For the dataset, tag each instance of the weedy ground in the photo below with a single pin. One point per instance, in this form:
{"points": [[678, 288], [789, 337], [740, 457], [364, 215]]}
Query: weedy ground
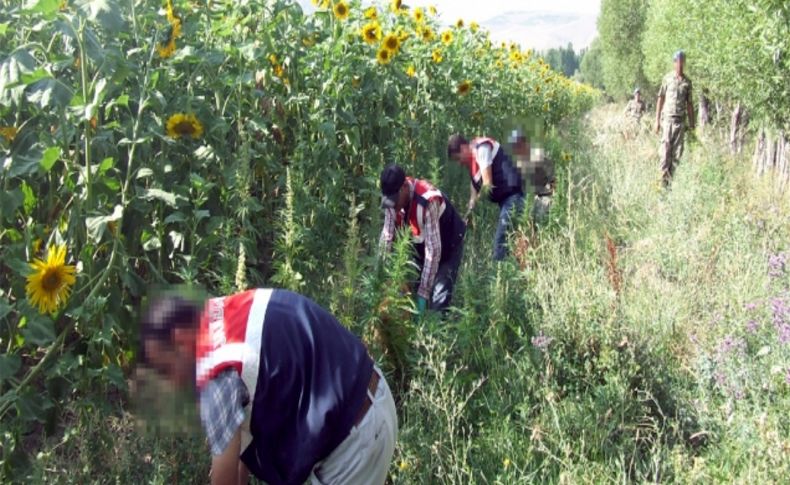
{"points": [[640, 335]]}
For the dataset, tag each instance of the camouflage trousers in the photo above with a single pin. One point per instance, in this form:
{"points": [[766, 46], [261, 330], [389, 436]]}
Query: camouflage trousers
{"points": [[671, 150]]}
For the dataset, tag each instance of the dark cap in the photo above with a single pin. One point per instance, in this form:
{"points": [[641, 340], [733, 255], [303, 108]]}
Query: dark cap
{"points": [[679, 55], [392, 178]]}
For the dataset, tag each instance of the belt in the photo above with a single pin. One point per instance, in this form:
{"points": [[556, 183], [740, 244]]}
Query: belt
{"points": [[372, 386]]}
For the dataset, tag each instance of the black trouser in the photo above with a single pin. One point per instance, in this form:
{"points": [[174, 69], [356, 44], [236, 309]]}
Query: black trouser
{"points": [[446, 276]]}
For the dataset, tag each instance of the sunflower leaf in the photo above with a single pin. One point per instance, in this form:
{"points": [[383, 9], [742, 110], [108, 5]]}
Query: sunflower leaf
{"points": [[96, 225], [104, 12], [9, 366], [168, 198], [40, 330]]}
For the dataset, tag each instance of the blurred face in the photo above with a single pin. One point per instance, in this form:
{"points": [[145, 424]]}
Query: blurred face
{"points": [[520, 149], [637, 96], [175, 360], [403, 196], [464, 155], [679, 64]]}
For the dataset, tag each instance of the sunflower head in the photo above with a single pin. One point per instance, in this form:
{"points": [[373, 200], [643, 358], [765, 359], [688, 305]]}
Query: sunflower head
{"points": [[9, 133], [391, 42], [437, 56], [432, 10], [410, 71], [447, 37], [459, 23], [499, 64], [384, 56], [474, 26], [184, 124], [464, 87], [341, 10], [371, 32], [371, 13], [403, 36], [427, 34], [396, 5], [166, 50], [419, 15], [49, 284]]}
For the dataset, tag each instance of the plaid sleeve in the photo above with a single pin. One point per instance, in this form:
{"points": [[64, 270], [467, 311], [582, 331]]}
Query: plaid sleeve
{"points": [[222, 403], [433, 251], [388, 230]]}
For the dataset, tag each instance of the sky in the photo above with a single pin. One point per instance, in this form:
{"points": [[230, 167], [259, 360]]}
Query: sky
{"points": [[539, 24]]}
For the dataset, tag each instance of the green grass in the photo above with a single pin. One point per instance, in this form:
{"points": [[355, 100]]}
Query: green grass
{"points": [[634, 386]]}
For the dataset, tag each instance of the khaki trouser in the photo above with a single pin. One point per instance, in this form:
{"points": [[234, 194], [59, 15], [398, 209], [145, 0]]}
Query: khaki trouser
{"points": [[364, 457], [671, 146]]}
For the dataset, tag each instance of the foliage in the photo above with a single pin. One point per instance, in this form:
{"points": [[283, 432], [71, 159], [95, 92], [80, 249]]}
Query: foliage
{"points": [[591, 68], [219, 144], [745, 61], [564, 59], [621, 24]]}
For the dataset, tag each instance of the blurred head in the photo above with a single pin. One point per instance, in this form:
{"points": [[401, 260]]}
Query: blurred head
{"points": [[168, 332], [458, 149], [395, 190], [680, 60], [519, 145], [637, 94]]}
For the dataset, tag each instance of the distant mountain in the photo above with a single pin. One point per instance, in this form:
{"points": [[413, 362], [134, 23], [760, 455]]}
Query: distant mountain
{"points": [[541, 30]]}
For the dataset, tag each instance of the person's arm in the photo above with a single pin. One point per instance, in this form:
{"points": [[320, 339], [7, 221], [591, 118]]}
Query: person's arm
{"points": [[225, 467], [660, 104], [388, 230], [433, 251], [473, 196]]}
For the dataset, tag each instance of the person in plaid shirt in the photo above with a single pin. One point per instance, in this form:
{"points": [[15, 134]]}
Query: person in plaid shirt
{"points": [[437, 233], [285, 391]]}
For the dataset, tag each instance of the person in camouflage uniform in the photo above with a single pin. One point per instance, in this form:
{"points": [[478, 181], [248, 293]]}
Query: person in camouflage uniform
{"points": [[674, 104], [539, 173], [633, 113]]}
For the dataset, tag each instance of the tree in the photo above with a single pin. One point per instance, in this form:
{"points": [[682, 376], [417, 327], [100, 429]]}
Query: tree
{"points": [[591, 68], [620, 27]]}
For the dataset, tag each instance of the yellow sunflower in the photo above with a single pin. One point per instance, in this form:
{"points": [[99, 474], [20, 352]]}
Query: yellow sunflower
{"points": [[447, 37], [464, 87], [419, 15], [395, 5], [499, 64], [371, 32], [184, 124], [392, 43], [341, 10], [49, 285], [427, 34], [473, 26], [166, 50], [516, 57], [403, 36], [432, 10], [437, 56], [384, 56], [9, 133], [459, 23], [371, 13], [410, 71]]}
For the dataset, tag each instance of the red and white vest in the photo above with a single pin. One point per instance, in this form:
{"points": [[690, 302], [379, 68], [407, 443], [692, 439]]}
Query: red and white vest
{"points": [[424, 193], [474, 167], [229, 336]]}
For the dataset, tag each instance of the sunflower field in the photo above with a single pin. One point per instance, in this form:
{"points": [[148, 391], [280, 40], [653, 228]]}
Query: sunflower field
{"points": [[221, 144]]}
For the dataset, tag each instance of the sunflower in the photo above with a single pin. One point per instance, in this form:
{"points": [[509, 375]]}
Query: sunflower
{"points": [[432, 10], [341, 10], [427, 34], [403, 36], [419, 15], [395, 5], [371, 32], [167, 50], [437, 56], [371, 13], [473, 26], [464, 87], [184, 124], [392, 43], [9, 133], [459, 23], [49, 285], [447, 37], [516, 57], [410, 71], [384, 56], [499, 64]]}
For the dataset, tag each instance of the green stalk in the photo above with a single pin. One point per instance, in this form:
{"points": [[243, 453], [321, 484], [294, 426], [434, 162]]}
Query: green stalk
{"points": [[85, 92]]}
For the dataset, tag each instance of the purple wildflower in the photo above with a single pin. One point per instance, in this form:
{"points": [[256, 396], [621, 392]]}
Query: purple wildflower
{"points": [[777, 264], [721, 379], [730, 344], [783, 331], [541, 341], [752, 326], [750, 306]]}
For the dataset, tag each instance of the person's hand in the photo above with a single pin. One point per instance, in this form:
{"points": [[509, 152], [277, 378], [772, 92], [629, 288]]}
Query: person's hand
{"points": [[657, 129]]}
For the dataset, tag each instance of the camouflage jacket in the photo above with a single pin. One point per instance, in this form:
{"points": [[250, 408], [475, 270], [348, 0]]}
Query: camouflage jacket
{"points": [[677, 95], [634, 109]]}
